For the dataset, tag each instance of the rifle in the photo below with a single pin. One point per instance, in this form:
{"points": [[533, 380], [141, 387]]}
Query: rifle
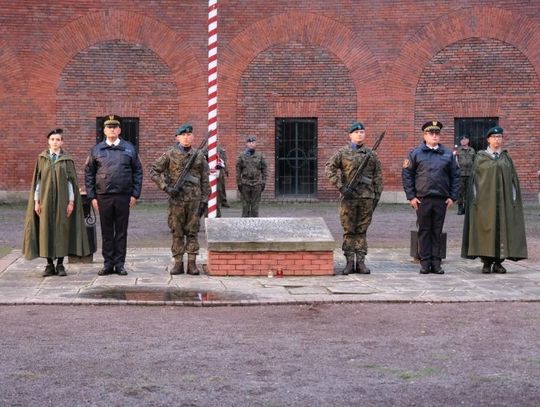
{"points": [[350, 186], [184, 175]]}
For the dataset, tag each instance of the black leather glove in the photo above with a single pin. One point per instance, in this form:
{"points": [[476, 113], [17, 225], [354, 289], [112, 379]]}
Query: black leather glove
{"points": [[262, 186], [203, 206], [346, 191]]}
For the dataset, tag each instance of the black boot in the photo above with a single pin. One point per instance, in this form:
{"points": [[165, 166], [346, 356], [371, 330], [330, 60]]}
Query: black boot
{"points": [[192, 265], [498, 268], [461, 209], [486, 268], [178, 267], [361, 266], [349, 267], [49, 270]]}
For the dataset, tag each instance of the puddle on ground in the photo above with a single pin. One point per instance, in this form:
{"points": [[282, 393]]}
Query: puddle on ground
{"points": [[160, 294]]}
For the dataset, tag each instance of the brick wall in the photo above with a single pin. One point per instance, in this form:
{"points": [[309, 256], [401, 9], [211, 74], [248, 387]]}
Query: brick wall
{"points": [[245, 263], [390, 64], [124, 78]]}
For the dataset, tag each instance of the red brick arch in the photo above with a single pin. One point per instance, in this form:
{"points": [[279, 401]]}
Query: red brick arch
{"points": [[305, 28], [481, 22], [10, 69], [109, 25]]}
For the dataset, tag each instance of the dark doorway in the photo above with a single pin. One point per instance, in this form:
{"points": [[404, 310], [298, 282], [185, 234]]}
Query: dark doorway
{"points": [[476, 128], [296, 157], [130, 130]]}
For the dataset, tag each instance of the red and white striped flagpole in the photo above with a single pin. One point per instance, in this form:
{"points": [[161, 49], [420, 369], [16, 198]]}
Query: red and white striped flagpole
{"points": [[212, 105]]}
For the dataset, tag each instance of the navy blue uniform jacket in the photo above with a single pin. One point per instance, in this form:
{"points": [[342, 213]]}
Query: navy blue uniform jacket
{"points": [[429, 172]]}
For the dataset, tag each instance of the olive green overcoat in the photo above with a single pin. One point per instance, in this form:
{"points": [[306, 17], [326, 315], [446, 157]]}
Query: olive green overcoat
{"points": [[494, 225], [53, 234]]}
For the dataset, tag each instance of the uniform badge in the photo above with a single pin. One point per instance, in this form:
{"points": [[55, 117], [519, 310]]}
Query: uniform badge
{"points": [[406, 163]]}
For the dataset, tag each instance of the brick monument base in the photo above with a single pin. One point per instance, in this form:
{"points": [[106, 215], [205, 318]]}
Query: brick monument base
{"points": [[259, 246]]}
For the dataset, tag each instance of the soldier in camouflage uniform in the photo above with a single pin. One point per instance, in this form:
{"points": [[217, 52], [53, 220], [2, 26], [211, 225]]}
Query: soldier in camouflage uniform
{"points": [[358, 202], [223, 171], [465, 158], [251, 175], [187, 205]]}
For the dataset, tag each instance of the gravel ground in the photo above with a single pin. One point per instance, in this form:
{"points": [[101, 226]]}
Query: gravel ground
{"points": [[474, 354]]}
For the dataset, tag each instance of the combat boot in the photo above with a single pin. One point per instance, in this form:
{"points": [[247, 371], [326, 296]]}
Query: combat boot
{"points": [[349, 267], [192, 265], [361, 266], [178, 267]]}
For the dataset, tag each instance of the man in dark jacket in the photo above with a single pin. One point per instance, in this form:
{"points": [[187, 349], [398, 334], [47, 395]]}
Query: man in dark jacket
{"points": [[113, 177], [494, 227], [431, 181]]}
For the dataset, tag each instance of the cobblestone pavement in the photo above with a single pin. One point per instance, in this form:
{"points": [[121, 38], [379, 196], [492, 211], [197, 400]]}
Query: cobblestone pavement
{"points": [[394, 275]]}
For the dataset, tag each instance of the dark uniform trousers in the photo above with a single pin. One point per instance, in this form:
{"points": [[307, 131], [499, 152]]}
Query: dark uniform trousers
{"points": [[114, 217], [430, 216]]}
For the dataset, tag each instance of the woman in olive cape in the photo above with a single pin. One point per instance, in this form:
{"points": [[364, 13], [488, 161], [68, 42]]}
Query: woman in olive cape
{"points": [[494, 226], [52, 233]]}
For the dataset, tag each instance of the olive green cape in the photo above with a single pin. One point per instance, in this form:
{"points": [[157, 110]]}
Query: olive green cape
{"points": [[494, 225], [53, 234]]}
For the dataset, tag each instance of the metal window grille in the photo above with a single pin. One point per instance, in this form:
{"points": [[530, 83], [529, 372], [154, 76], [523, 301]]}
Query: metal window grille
{"points": [[130, 130], [476, 128], [296, 157]]}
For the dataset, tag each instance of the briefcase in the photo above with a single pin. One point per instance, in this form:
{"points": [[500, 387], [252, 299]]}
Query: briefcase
{"points": [[414, 245]]}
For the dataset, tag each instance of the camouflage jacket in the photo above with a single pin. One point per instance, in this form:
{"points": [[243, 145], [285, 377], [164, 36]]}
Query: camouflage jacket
{"points": [[341, 167], [167, 168], [251, 169], [465, 159]]}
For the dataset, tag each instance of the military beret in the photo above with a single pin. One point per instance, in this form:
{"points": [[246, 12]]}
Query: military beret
{"points": [[55, 131], [356, 126], [185, 128], [250, 139], [433, 126], [111, 119], [494, 130]]}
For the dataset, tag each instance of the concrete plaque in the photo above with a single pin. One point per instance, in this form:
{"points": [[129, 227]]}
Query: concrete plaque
{"points": [[268, 234]]}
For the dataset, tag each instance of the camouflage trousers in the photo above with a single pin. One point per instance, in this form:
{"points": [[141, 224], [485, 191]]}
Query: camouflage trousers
{"points": [[250, 196], [355, 216], [184, 222], [463, 190]]}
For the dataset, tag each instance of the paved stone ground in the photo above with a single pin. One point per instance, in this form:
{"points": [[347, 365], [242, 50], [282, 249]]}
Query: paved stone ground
{"points": [[394, 273]]}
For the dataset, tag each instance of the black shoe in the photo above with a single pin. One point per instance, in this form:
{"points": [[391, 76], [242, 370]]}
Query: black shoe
{"points": [[486, 268], [225, 205], [437, 270], [424, 270], [49, 270], [105, 271], [121, 271], [498, 268], [61, 270]]}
